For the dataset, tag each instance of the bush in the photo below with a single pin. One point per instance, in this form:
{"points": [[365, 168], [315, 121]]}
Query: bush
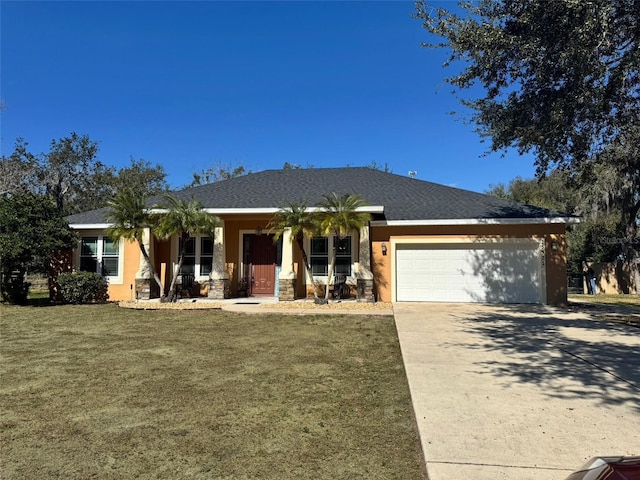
{"points": [[83, 287]]}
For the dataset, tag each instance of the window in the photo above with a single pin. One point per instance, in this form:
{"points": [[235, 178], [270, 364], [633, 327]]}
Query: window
{"points": [[189, 262], [198, 256], [343, 255], [89, 254], [206, 255], [109, 258], [320, 256], [100, 255]]}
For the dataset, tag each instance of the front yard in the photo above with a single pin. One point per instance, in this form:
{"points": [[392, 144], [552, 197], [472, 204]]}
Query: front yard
{"points": [[108, 393], [611, 308]]}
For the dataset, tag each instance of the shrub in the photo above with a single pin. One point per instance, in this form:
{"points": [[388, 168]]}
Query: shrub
{"points": [[83, 287]]}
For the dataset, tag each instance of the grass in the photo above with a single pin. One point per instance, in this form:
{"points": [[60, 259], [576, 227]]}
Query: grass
{"points": [[107, 393], [632, 301], [612, 308]]}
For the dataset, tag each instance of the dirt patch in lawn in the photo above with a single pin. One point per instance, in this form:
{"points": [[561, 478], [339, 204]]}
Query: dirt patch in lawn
{"points": [[110, 393]]}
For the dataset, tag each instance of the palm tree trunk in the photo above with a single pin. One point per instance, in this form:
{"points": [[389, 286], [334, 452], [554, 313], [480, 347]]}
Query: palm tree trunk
{"points": [[172, 294], [307, 266], [332, 267]]}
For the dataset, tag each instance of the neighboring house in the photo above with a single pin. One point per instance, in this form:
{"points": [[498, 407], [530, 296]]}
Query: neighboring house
{"points": [[425, 242]]}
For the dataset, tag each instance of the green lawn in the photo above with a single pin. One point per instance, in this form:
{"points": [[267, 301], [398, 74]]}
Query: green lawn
{"points": [[108, 393], [632, 301]]}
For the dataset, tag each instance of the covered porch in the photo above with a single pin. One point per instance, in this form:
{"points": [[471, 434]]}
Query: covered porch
{"points": [[244, 261]]}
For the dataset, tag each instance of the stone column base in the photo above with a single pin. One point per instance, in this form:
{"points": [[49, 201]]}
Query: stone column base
{"points": [[146, 289], [218, 288], [287, 291], [365, 290]]}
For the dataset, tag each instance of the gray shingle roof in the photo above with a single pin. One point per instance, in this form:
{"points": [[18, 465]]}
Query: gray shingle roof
{"points": [[403, 198], [92, 217]]}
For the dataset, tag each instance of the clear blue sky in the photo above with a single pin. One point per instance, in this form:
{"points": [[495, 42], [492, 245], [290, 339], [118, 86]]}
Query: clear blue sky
{"points": [[191, 85]]}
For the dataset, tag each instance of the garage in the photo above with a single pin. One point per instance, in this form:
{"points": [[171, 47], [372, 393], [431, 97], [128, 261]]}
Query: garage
{"points": [[485, 272]]}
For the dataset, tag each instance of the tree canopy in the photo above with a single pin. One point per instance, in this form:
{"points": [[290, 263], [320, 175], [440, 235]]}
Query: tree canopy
{"points": [[32, 232], [73, 177], [218, 173], [559, 79]]}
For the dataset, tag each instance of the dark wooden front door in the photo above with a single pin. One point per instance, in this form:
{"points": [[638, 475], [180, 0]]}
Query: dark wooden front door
{"points": [[260, 263]]}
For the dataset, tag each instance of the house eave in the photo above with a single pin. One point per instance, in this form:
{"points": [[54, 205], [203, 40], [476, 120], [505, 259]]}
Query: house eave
{"points": [[475, 221], [266, 210], [90, 226]]}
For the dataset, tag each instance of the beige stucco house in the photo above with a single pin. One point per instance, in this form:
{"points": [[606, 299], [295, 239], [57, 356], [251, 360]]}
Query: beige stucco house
{"points": [[425, 242]]}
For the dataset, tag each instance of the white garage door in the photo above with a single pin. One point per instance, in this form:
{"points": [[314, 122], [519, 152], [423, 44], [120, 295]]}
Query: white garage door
{"points": [[480, 272]]}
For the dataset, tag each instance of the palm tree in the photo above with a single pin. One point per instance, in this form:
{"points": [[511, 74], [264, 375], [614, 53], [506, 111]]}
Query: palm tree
{"points": [[302, 223], [129, 219], [184, 219], [339, 216]]}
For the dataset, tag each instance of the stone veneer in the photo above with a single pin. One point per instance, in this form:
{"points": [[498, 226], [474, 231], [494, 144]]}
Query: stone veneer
{"points": [[219, 289], [146, 289], [287, 291], [365, 290]]}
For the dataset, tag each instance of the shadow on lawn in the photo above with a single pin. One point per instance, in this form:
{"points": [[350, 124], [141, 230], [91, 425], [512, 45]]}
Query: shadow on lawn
{"points": [[566, 358]]}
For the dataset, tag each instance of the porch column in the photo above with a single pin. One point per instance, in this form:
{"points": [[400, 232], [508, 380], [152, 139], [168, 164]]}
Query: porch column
{"points": [[364, 275], [219, 278], [146, 287], [287, 276]]}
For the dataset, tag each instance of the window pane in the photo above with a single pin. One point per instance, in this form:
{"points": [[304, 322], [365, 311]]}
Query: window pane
{"points": [[206, 264], [109, 247], [343, 266], [89, 246], [110, 266], [190, 246], [89, 264], [343, 247], [189, 265], [319, 246], [319, 266], [206, 246]]}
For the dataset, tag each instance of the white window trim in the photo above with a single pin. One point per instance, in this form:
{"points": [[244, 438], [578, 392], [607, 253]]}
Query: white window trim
{"points": [[354, 255], [113, 279], [175, 251]]}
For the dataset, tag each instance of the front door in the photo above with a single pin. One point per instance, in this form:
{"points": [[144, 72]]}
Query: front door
{"points": [[260, 263]]}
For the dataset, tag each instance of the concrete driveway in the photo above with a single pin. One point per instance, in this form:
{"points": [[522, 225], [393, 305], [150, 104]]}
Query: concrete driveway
{"points": [[518, 392]]}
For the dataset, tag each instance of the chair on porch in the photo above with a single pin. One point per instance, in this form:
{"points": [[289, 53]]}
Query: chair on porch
{"points": [[186, 284], [340, 287]]}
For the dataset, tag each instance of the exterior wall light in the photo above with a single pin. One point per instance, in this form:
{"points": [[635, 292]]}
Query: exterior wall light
{"points": [[384, 249]]}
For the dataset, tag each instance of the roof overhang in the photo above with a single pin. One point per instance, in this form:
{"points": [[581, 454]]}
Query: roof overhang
{"points": [[267, 210], [90, 226], [475, 221]]}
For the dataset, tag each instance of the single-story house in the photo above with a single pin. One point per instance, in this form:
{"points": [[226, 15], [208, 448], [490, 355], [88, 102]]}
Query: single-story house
{"points": [[425, 242]]}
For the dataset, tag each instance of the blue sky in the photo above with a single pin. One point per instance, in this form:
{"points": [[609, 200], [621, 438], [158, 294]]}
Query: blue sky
{"points": [[192, 85]]}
